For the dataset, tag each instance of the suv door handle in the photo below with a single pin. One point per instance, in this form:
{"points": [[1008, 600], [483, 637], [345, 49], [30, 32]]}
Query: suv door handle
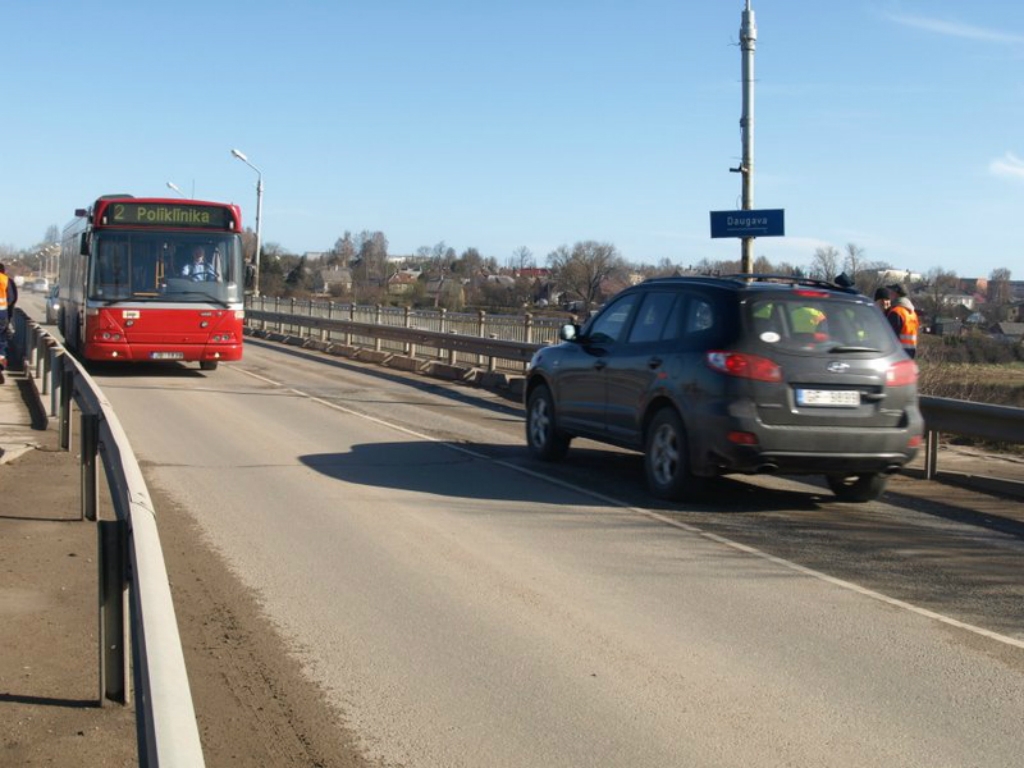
{"points": [[654, 362]]}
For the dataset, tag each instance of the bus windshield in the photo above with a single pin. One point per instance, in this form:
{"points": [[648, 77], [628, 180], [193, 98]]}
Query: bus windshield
{"points": [[158, 266]]}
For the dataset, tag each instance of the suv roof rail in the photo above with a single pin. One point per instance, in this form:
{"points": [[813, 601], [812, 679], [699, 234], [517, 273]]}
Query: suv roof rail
{"points": [[759, 277], [792, 280]]}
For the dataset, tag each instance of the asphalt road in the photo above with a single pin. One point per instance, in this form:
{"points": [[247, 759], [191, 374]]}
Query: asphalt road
{"points": [[459, 604]]}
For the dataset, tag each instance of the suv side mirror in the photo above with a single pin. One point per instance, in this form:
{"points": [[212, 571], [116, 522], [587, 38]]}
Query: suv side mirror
{"points": [[569, 332]]}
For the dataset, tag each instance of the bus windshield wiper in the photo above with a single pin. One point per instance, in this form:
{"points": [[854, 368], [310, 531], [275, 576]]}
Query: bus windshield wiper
{"points": [[205, 295]]}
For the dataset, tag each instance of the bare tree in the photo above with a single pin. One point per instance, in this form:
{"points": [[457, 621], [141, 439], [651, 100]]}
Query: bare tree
{"points": [[999, 295], [825, 264], [707, 267], [939, 284], [373, 257], [853, 261], [579, 272], [999, 289], [664, 268], [870, 276], [522, 258], [785, 268], [469, 263], [343, 252]]}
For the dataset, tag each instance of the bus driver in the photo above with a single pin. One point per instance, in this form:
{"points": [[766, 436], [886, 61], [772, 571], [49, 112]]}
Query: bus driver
{"points": [[199, 269]]}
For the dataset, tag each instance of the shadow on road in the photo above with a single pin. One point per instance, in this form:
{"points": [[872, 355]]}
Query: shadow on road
{"points": [[590, 477]]}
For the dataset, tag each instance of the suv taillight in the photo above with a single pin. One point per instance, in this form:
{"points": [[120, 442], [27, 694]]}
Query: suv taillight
{"points": [[901, 374], [744, 366]]}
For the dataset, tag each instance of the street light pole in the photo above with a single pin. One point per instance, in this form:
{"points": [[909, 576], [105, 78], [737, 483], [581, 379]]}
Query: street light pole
{"points": [[748, 44], [259, 217]]}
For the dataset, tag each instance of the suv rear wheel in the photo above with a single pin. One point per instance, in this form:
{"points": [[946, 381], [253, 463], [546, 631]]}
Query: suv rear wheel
{"points": [[666, 458], [542, 435], [858, 488]]}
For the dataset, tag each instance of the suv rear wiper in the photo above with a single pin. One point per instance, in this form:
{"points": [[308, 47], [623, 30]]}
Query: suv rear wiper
{"points": [[844, 348]]}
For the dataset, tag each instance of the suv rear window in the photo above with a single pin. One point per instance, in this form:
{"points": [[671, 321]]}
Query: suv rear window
{"points": [[800, 323]]}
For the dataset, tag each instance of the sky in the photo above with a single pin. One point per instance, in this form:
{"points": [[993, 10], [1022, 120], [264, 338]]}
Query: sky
{"points": [[895, 125]]}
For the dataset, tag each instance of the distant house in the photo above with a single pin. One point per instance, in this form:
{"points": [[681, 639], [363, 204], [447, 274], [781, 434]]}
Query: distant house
{"points": [[902, 276], [506, 281], [532, 273], [445, 290], [401, 283], [960, 300], [338, 279], [1010, 332]]}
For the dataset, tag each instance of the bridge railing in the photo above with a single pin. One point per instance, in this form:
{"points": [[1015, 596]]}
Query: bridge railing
{"points": [[138, 628], [433, 334]]}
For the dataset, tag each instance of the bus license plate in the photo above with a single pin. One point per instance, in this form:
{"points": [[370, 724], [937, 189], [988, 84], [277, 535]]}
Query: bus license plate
{"points": [[167, 356], [842, 398]]}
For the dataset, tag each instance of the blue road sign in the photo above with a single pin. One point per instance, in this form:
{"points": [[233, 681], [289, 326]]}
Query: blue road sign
{"points": [[765, 223]]}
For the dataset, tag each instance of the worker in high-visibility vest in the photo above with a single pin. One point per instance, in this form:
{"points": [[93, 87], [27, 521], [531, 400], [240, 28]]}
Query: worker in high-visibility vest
{"points": [[903, 318], [810, 320], [7, 291]]}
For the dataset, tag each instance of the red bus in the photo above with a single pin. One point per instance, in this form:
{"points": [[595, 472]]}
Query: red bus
{"points": [[130, 288]]}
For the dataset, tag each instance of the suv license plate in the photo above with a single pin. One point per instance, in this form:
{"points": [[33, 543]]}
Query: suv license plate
{"points": [[167, 356], [843, 398]]}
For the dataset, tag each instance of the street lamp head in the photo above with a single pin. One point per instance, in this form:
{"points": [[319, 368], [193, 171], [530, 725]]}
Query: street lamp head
{"points": [[172, 185], [259, 206]]}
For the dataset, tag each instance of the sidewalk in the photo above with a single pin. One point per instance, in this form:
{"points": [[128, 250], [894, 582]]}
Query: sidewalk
{"points": [[49, 667]]}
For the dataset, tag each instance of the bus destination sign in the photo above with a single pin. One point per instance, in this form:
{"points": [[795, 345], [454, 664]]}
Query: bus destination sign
{"points": [[168, 215]]}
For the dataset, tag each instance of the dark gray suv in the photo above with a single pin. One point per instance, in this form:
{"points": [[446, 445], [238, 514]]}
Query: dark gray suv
{"points": [[746, 374]]}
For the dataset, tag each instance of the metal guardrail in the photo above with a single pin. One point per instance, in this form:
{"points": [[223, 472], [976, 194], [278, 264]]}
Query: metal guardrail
{"points": [[447, 345], [133, 574], [999, 423], [941, 415], [524, 333]]}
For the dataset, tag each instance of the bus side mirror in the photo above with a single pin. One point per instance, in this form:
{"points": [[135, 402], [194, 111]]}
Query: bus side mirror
{"points": [[83, 247], [250, 275]]}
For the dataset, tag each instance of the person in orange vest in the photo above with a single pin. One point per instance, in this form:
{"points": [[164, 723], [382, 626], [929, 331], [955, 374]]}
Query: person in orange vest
{"points": [[903, 319], [8, 297]]}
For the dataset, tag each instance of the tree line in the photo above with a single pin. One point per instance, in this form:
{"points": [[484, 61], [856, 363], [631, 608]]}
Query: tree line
{"points": [[584, 274]]}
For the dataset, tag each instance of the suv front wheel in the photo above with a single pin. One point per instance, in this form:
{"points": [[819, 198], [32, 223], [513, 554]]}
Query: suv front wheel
{"points": [[666, 460], [542, 435], [858, 488]]}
